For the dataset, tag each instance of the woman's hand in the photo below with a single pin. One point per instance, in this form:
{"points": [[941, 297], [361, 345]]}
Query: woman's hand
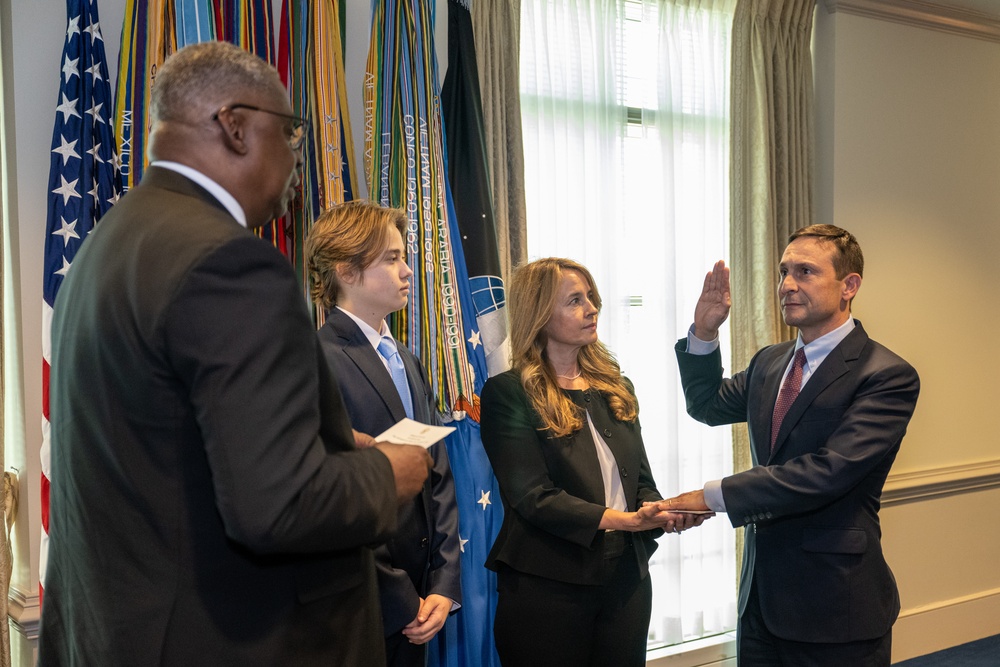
{"points": [[649, 517], [671, 522]]}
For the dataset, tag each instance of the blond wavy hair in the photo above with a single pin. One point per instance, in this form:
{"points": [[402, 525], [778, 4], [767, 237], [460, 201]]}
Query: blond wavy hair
{"points": [[531, 299]]}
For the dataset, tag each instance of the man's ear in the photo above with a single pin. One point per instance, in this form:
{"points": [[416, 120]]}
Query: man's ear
{"points": [[234, 129], [852, 283]]}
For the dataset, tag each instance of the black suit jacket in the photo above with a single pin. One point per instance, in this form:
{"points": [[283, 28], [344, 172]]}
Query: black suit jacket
{"points": [[423, 557], [552, 488], [208, 506], [811, 507]]}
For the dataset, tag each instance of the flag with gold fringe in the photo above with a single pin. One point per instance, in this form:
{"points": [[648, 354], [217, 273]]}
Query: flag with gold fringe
{"points": [[406, 166]]}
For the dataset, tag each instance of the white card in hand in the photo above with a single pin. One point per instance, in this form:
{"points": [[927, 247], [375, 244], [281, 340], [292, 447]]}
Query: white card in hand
{"points": [[409, 432]]}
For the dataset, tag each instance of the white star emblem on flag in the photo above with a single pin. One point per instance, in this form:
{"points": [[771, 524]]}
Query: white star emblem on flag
{"points": [[484, 500]]}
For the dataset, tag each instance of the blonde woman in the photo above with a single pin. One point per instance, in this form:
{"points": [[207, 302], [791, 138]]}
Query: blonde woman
{"points": [[561, 430]]}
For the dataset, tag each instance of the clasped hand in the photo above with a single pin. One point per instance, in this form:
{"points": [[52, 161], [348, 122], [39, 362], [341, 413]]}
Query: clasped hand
{"points": [[677, 514]]}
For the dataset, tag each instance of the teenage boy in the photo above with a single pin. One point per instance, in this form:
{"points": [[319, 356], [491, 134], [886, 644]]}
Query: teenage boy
{"points": [[359, 275]]}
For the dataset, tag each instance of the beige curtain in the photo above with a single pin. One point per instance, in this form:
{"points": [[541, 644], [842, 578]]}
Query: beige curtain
{"points": [[771, 169], [496, 25]]}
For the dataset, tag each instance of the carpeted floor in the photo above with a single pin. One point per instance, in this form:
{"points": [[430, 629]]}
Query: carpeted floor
{"points": [[981, 653]]}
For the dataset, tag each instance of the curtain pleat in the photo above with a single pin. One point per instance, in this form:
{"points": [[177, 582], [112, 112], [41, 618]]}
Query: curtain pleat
{"points": [[497, 28], [771, 170]]}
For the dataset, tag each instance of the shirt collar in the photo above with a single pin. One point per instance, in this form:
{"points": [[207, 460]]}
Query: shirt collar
{"points": [[374, 337], [818, 350]]}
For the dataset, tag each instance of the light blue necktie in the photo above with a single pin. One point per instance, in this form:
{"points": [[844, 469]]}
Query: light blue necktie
{"points": [[387, 348]]}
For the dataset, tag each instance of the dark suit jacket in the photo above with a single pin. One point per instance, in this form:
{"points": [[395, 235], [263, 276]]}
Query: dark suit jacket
{"points": [[552, 488], [423, 556], [207, 504], [811, 508]]}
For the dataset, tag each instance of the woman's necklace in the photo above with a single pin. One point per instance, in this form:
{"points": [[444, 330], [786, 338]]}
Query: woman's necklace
{"points": [[570, 377]]}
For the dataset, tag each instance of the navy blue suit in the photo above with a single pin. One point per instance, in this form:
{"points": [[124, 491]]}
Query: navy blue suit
{"points": [[812, 547], [423, 557]]}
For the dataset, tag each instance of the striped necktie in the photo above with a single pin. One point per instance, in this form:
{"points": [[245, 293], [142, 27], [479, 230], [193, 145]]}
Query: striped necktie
{"points": [[789, 391]]}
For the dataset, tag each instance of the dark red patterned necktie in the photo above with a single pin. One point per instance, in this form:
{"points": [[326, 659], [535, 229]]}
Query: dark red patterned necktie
{"points": [[788, 392]]}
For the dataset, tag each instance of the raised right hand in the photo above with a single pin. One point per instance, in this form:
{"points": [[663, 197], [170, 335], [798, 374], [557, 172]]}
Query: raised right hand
{"points": [[713, 305], [410, 467]]}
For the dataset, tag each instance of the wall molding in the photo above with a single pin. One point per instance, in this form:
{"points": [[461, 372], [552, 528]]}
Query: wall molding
{"points": [[933, 627], [923, 14], [24, 612], [945, 481]]}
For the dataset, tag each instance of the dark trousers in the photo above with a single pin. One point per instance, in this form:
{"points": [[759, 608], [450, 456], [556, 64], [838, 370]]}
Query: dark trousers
{"points": [[551, 623], [758, 647]]}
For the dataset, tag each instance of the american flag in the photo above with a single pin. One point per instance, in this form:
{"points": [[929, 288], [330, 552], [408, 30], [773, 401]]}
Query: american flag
{"points": [[84, 183]]}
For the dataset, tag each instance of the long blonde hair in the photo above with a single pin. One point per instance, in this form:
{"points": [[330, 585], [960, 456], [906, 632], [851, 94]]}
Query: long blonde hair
{"points": [[531, 298]]}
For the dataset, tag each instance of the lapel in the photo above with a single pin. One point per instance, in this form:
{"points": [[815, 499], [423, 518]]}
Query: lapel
{"points": [[421, 413], [589, 467], [368, 362], [836, 364]]}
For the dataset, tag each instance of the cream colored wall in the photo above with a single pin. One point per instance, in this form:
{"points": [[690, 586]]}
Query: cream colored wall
{"points": [[908, 158]]}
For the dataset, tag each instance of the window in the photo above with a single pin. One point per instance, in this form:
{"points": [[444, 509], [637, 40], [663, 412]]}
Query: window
{"points": [[625, 112]]}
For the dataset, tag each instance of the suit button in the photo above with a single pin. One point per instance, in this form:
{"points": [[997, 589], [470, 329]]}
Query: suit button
{"points": [[607, 433], [423, 542], [586, 397], [624, 472], [767, 515]]}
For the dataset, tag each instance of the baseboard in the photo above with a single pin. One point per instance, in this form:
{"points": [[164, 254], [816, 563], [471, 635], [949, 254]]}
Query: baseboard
{"points": [[24, 613], [917, 632], [941, 625]]}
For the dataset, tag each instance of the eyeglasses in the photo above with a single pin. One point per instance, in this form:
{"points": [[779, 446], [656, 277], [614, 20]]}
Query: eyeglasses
{"points": [[300, 126]]}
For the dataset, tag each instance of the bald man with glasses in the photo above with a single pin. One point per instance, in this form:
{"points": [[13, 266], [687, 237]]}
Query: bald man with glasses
{"points": [[208, 504]]}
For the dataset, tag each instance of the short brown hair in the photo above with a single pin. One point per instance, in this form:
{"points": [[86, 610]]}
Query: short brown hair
{"points": [[848, 258], [351, 234]]}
